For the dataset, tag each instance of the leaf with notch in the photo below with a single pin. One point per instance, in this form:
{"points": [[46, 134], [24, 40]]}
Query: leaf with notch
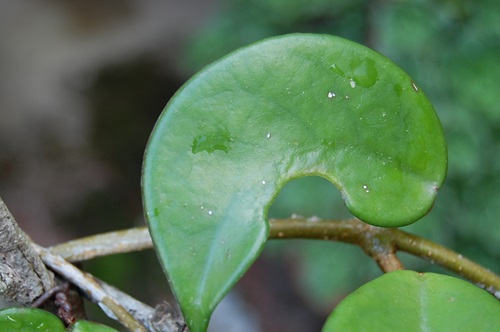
{"points": [[283, 108]]}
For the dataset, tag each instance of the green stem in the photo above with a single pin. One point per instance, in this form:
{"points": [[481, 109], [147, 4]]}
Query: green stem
{"points": [[375, 241], [371, 239], [449, 259]]}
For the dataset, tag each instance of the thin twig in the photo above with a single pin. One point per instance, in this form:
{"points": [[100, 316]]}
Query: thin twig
{"points": [[450, 260], [47, 295], [162, 318], [118, 242], [355, 231], [371, 239], [91, 288], [379, 243]]}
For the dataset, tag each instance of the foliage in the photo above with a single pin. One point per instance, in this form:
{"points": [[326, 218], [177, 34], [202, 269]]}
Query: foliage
{"points": [[347, 114], [411, 301], [36, 320], [451, 48]]}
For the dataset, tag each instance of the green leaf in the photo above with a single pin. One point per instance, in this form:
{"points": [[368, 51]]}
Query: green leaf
{"points": [[29, 319], [86, 326], [36, 320], [282, 108], [411, 301]]}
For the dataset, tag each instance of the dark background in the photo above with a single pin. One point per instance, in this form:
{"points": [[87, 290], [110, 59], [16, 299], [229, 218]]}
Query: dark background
{"points": [[83, 82]]}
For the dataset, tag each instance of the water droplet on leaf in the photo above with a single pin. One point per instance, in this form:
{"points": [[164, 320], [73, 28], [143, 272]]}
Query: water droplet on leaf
{"points": [[216, 140], [364, 72], [398, 89], [336, 69]]}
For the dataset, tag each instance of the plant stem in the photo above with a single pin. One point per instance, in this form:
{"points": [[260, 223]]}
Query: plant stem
{"points": [[373, 240], [379, 243], [117, 242], [386, 239], [91, 288], [449, 259]]}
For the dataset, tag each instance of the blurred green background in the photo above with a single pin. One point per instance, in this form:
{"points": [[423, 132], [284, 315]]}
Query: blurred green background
{"points": [[89, 181]]}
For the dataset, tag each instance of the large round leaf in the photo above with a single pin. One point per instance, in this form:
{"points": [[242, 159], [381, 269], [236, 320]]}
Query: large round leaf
{"points": [[411, 301], [283, 108]]}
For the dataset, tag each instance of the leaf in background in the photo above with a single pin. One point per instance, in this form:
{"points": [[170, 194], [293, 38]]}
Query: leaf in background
{"points": [[36, 320], [283, 108], [411, 301]]}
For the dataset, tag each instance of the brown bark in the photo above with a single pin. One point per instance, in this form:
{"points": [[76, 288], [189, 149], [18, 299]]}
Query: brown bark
{"points": [[23, 276]]}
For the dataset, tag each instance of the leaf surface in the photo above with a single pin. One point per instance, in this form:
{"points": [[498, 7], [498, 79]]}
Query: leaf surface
{"points": [[411, 301], [282, 108], [36, 320]]}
